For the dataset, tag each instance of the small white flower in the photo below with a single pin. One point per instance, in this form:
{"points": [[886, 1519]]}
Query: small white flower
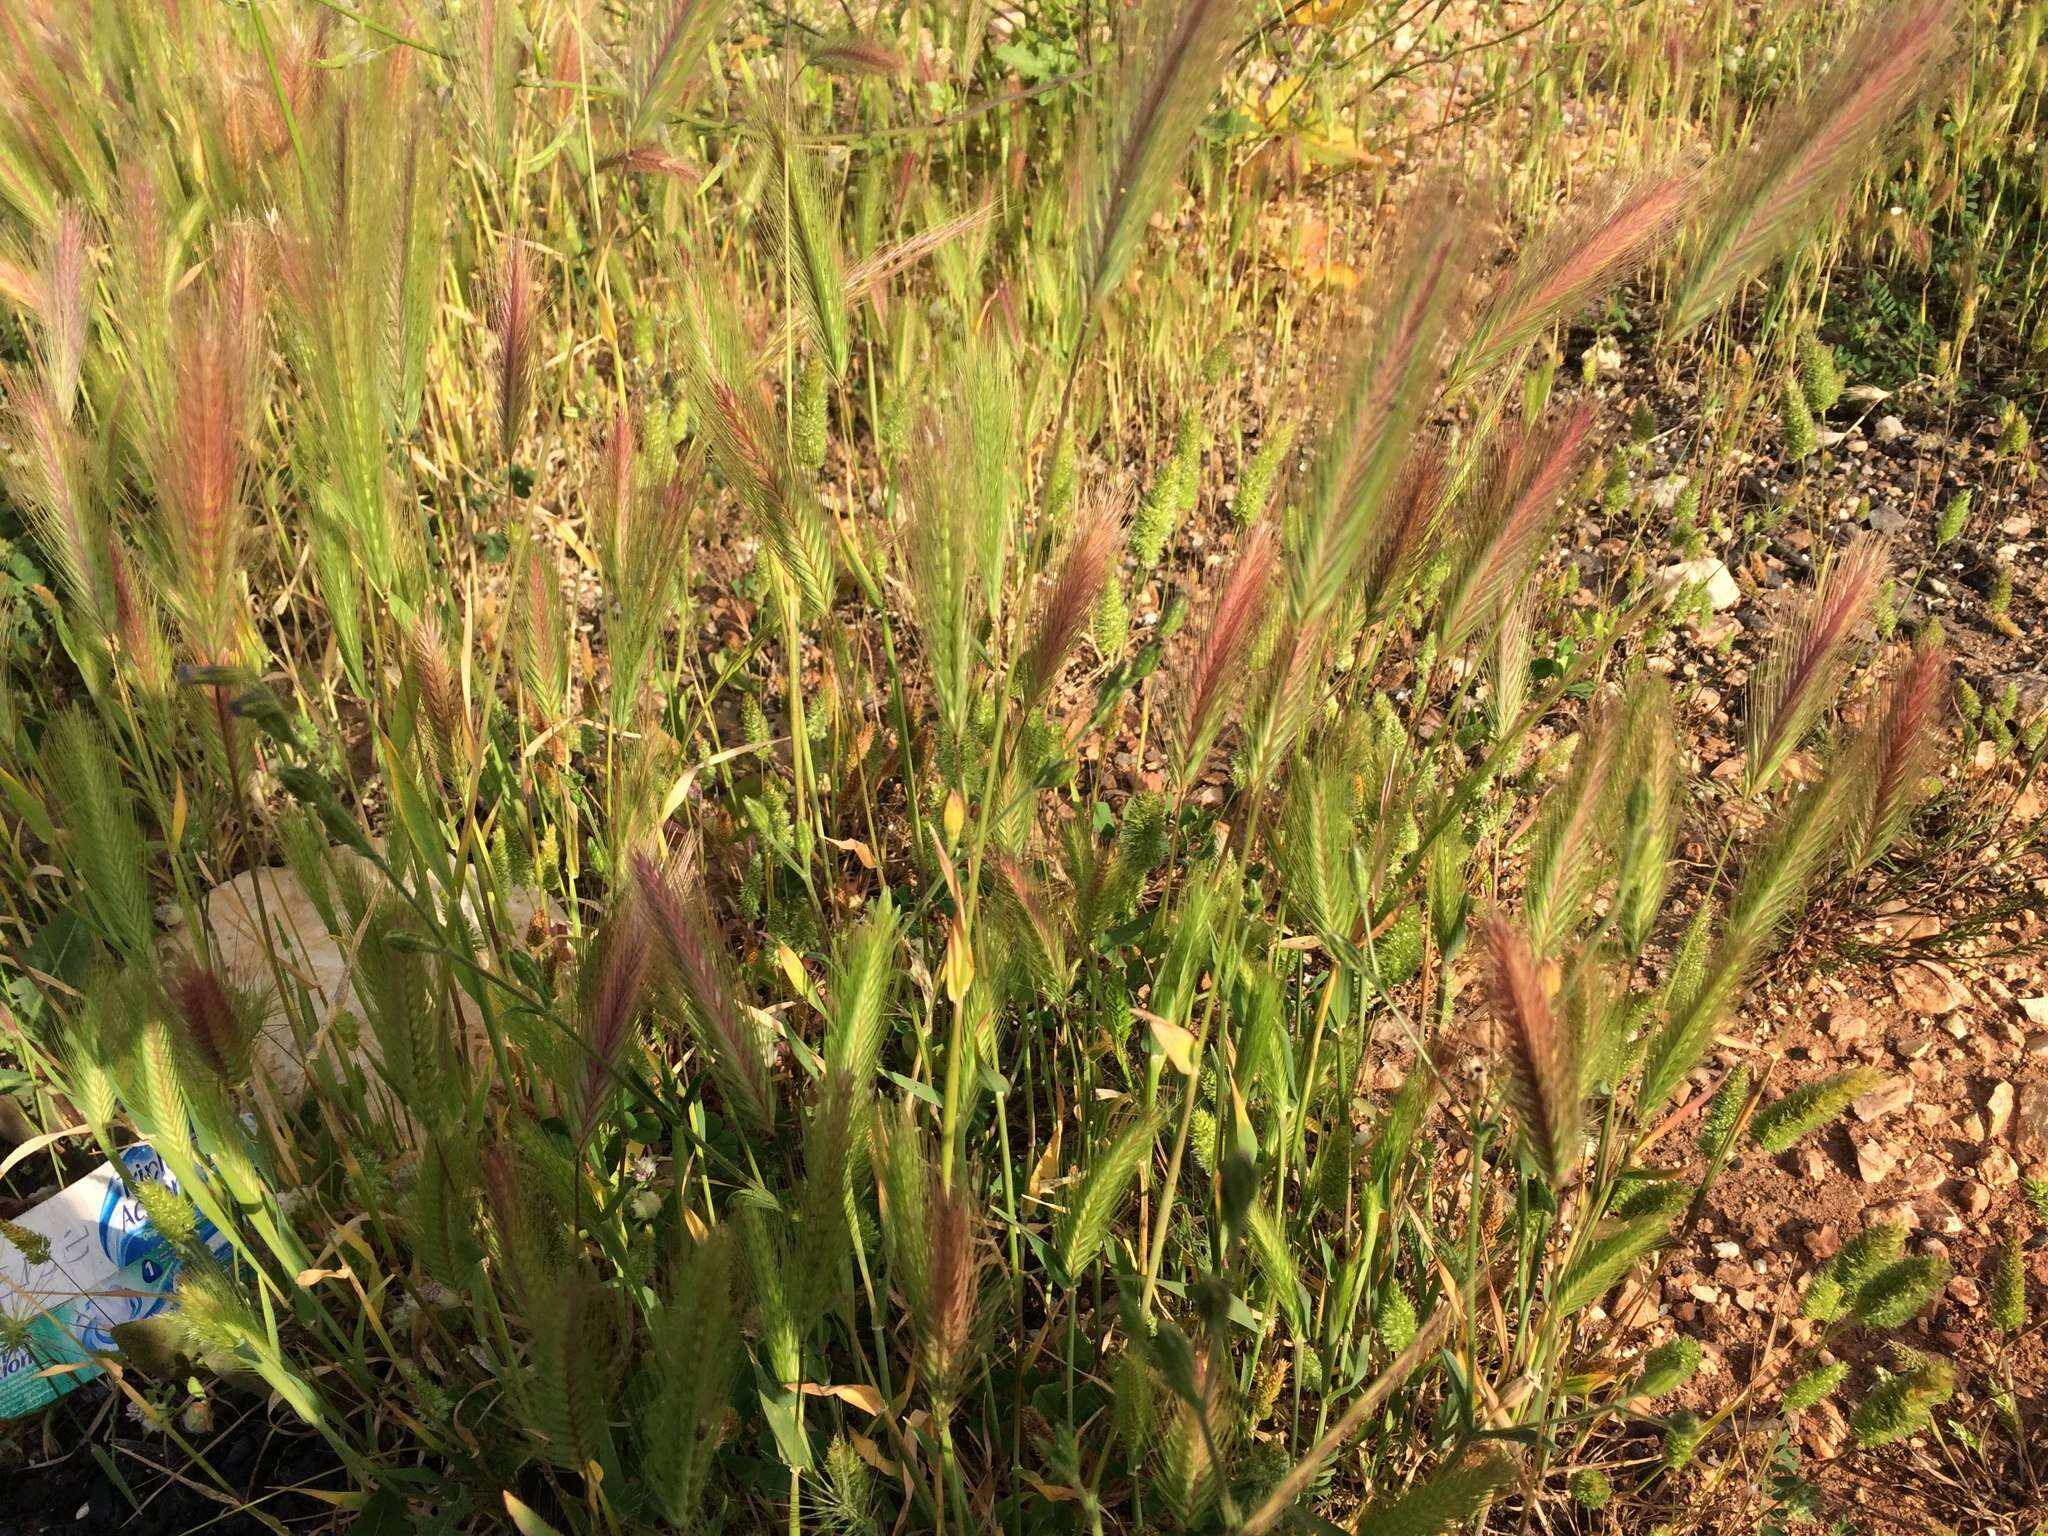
{"points": [[645, 1205]]}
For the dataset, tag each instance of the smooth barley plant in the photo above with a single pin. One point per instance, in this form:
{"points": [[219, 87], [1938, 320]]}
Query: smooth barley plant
{"points": [[742, 928]]}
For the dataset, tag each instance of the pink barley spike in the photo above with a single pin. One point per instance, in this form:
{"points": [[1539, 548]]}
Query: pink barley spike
{"points": [[1799, 677], [1542, 1078], [612, 1009], [516, 321], [1233, 625], [1902, 742], [1068, 606]]}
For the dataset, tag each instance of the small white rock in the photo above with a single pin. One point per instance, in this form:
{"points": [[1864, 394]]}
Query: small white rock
{"points": [[1664, 493], [1713, 574]]}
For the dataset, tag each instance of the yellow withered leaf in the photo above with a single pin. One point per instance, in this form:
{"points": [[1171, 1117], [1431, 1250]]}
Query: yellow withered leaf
{"points": [[1047, 1167], [859, 1393], [526, 1519], [959, 972], [1330, 274], [1318, 13], [1052, 1493], [871, 1453], [857, 848], [792, 970], [955, 817], [1176, 1044]]}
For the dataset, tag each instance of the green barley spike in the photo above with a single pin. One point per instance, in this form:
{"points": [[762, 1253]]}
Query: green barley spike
{"points": [[2014, 433], [691, 1357], [1857, 1260], [813, 1262], [1269, 1240], [1398, 951], [106, 844], [1893, 1296], [1682, 1437], [2009, 1286], [1062, 485], [1783, 1122], [1668, 1367], [1591, 1488], [1398, 1126], [2035, 1191], [1202, 1134], [892, 434], [1335, 1154], [35, 1248], [1795, 421], [1186, 464], [1134, 1402], [1717, 1125], [2000, 597], [1455, 1495], [1903, 1405], [1885, 612], [1954, 517], [1606, 1256], [764, 1252], [808, 420], [1814, 1385], [1820, 380], [1112, 624], [1397, 1321], [1083, 1226], [848, 1496], [1153, 523], [1255, 481], [1141, 842]]}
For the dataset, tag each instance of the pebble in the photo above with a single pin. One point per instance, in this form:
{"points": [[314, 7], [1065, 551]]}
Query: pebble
{"points": [[2030, 1123], [1924, 1174], [1895, 1213], [1847, 1028], [1721, 591], [1998, 1112], [1874, 1161], [1885, 1099]]}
